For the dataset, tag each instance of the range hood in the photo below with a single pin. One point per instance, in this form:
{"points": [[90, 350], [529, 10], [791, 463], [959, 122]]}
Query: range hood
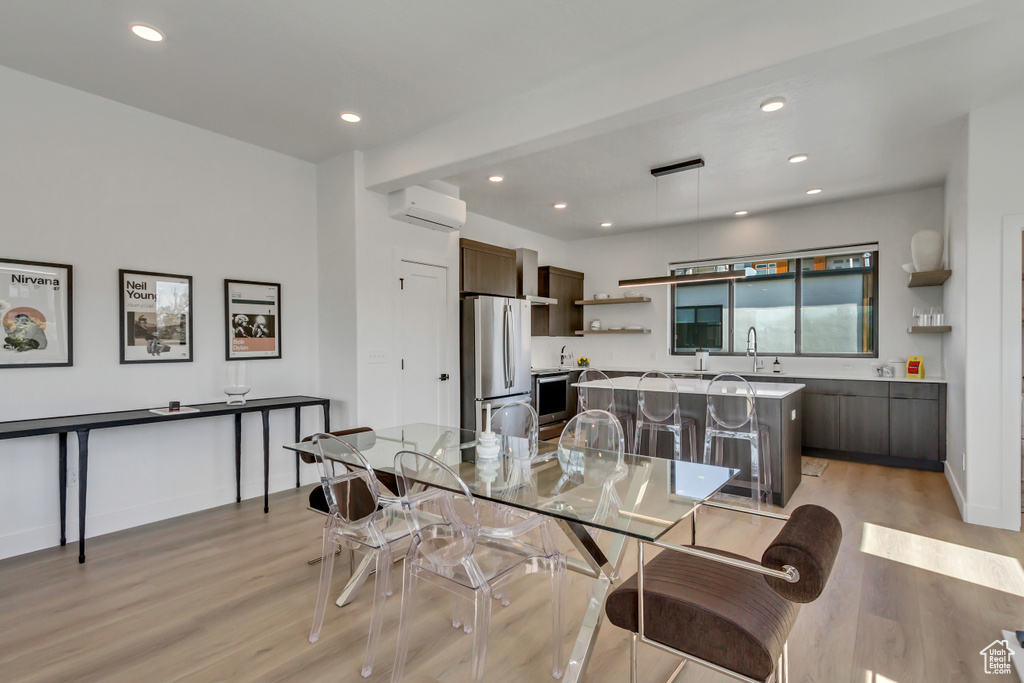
{"points": [[526, 278]]}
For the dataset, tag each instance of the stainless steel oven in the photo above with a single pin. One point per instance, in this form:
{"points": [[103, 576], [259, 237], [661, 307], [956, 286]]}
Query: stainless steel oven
{"points": [[551, 394]]}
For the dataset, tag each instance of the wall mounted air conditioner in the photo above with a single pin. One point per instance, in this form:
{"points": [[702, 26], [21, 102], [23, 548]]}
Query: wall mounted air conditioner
{"points": [[420, 206]]}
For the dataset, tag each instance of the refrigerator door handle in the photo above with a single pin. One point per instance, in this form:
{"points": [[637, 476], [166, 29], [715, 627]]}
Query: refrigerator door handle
{"points": [[513, 347], [504, 343]]}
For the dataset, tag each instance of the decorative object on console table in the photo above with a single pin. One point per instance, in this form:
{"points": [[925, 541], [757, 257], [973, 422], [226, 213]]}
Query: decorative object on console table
{"points": [[237, 384], [926, 250], [156, 317], [35, 314], [252, 313]]}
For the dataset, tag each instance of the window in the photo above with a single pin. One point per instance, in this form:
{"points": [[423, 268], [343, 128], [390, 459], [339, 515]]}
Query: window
{"points": [[811, 304]]}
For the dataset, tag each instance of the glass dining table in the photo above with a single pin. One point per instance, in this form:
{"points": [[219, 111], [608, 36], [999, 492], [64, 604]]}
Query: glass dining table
{"points": [[651, 496]]}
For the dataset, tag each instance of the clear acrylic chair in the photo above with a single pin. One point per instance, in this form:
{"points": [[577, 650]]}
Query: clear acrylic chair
{"points": [[590, 453], [452, 549], [657, 411], [517, 425], [602, 397], [732, 414], [356, 520]]}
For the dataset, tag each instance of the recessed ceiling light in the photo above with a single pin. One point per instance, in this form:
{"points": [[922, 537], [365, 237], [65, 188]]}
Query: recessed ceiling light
{"points": [[816, 190], [560, 205], [742, 213], [351, 118], [147, 33], [797, 158], [774, 104], [606, 225], [495, 178]]}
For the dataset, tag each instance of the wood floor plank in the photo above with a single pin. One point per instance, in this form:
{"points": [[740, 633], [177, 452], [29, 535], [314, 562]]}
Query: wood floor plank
{"points": [[226, 595]]}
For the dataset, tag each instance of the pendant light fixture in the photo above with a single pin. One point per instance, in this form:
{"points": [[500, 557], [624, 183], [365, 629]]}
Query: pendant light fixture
{"points": [[718, 275]]}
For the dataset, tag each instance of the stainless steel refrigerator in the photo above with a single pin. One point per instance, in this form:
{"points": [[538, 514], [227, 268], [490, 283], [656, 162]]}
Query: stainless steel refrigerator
{"points": [[495, 351]]}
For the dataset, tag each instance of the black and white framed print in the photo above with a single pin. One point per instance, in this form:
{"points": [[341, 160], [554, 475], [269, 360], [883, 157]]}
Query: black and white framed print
{"points": [[35, 312], [156, 317], [252, 317]]}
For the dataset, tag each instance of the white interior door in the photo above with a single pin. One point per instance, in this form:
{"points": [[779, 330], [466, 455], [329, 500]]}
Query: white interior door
{"points": [[424, 383]]}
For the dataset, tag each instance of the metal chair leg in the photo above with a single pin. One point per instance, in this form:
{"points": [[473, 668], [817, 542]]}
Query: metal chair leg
{"points": [[632, 657]]}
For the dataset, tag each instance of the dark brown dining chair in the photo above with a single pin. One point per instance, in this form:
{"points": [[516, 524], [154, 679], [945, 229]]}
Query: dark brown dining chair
{"points": [[725, 611]]}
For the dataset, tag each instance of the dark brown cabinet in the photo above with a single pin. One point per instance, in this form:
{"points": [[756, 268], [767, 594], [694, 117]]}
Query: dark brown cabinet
{"points": [[821, 421], [864, 424], [565, 317], [486, 269], [914, 428]]}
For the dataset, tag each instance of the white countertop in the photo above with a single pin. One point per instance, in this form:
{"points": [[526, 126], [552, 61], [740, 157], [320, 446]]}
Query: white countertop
{"points": [[700, 386], [763, 374]]}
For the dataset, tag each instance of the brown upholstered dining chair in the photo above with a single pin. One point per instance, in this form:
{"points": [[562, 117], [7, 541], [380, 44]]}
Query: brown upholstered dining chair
{"points": [[725, 611]]}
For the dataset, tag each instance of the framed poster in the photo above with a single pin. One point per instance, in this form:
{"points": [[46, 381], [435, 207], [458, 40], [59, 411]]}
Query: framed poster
{"points": [[35, 312], [252, 315], [156, 317]]}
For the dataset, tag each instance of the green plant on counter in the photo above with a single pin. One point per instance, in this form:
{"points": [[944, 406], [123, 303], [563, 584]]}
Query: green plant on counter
{"points": [[583, 362]]}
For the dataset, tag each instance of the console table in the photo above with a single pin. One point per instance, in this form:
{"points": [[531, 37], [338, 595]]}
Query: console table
{"points": [[81, 425]]}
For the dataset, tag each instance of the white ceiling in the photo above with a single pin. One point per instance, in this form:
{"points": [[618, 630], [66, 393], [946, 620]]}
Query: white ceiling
{"points": [[279, 73], [570, 100], [878, 125]]}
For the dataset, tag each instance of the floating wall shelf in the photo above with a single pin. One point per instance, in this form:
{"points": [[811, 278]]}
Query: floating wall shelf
{"points": [[931, 329], [583, 332], [605, 302], [929, 278]]}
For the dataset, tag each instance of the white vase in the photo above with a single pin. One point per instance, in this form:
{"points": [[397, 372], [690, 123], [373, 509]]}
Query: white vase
{"points": [[926, 250]]}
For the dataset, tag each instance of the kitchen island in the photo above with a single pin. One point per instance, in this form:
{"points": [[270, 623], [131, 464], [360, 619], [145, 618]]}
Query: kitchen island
{"points": [[778, 407]]}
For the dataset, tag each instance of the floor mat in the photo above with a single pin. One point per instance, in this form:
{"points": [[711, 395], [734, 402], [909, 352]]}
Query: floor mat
{"points": [[813, 467]]}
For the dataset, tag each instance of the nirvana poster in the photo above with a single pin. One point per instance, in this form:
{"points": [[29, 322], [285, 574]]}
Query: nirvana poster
{"points": [[35, 312]]}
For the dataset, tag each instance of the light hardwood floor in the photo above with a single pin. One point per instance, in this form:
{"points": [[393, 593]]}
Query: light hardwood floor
{"points": [[226, 594]]}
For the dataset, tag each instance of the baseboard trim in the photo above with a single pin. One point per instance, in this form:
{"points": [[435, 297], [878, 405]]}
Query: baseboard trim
{"points": [[958, 495], [41, 538]]}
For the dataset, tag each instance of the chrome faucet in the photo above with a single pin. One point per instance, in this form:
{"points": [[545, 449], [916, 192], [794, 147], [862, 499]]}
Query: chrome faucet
{"points": [[561, 358], [752, 344]]}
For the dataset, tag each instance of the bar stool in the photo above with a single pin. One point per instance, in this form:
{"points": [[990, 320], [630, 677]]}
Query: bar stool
{"points": [[658, 410], [602, 397], [732, 414]]}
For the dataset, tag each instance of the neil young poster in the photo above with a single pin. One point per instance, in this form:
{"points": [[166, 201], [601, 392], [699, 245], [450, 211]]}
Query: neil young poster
{"points": [[156, 317], [35, 313]]}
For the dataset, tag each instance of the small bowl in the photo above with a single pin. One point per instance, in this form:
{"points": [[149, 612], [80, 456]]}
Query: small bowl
{"points": [[909, 267], [602, 295]]}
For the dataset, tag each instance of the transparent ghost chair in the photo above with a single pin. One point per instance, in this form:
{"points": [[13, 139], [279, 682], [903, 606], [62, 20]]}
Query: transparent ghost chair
{"points": [[601, 396], [452, 549], [732, 414], [658, 411], [357, 520], [517, 425], [590, 453]]}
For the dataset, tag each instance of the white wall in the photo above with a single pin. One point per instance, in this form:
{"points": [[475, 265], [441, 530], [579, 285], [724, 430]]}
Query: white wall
{"points": [[336, 275], [890, 220], [381, 243], [102, 186], [995, 172], [954, 303]]}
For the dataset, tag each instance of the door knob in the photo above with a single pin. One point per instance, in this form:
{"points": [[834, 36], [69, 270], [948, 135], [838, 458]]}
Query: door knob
{"points": [[444, 377]]}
